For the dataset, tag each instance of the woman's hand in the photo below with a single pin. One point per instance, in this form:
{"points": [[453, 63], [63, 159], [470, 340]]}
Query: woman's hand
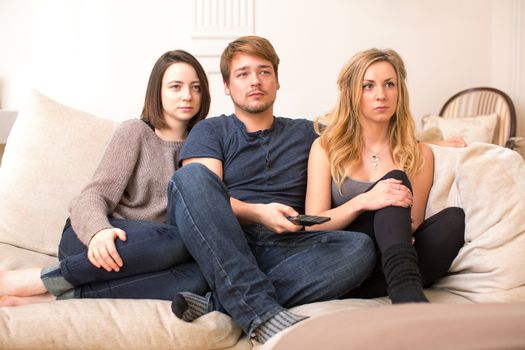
{"points": [[454, 141], [386, 193], [102, 251]]}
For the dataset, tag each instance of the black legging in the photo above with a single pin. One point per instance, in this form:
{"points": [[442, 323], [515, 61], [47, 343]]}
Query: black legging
{"points": [[437, 240]]}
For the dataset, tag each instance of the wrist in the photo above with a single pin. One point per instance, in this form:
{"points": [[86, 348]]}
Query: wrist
{"points": [[246, 213], [258, 212], [99, 232], [357, 204]]}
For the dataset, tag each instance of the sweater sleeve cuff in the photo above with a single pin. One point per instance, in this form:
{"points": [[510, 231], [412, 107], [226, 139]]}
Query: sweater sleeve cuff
{"points": [[86, 232]]}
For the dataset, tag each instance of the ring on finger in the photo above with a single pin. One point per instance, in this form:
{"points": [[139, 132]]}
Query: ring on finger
{"points": [[398, 187]]}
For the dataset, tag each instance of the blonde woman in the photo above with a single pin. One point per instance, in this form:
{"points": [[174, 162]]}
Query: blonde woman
{"points": [[369, 174]]}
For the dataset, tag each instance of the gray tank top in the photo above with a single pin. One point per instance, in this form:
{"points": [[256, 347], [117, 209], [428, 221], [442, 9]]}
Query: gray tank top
{"points": [[349, 189]]}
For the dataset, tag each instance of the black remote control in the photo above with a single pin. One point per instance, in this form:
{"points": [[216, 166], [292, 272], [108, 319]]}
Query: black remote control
{"points": [[308, 220]]}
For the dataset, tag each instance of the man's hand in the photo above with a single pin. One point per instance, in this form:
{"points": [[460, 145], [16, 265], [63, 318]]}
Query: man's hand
{"points": [[273, 216], [102, 251]]}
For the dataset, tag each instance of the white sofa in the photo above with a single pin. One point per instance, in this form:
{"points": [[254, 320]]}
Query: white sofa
{"points": [[52, 152]]}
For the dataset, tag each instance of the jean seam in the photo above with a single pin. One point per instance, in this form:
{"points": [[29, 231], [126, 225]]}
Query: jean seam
{"points": [[326, 237], [121, 284], [256, 320]]}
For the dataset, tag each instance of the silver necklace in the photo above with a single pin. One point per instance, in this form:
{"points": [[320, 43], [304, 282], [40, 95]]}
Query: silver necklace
{"points": [[376, 157]]}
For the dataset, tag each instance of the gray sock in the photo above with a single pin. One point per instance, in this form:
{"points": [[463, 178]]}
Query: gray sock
{"points": [[188, 306], [53, 280], [275, 324]]}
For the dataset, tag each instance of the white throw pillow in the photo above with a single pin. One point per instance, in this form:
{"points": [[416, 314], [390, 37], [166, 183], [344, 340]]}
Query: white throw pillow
{"points": [[445, 159], [429, 135], [489, 185], [51, 153], [472, 129]]}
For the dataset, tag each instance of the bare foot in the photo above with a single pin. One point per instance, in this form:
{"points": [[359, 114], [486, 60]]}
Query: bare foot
{"points": [[21, 283], [9, 300]]}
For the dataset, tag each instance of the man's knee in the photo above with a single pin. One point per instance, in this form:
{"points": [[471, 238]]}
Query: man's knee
{"points": [[195, 183], [192, 177], [191, 171]]}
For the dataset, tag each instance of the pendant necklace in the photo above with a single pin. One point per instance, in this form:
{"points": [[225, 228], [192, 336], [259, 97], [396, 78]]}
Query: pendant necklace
{"points": [[376, 157]]}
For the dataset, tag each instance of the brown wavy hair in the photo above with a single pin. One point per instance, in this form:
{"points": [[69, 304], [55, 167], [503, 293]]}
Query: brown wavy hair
{"points": [[342, 139], [153, 112]]}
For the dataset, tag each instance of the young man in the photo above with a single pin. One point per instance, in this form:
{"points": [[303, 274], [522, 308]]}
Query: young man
{"points": [[249, 169]]}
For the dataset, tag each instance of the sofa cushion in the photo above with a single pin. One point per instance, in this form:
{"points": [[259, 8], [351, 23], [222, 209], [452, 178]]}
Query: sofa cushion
{"points": [[113, 324], [488, 182], [51, 153], [14, 258]]}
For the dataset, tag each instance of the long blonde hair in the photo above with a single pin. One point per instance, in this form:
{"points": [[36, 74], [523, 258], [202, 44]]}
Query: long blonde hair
{"points": [[342, 139]]}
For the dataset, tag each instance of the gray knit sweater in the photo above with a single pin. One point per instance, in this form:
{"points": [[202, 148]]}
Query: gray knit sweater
{"points": [[130, 182]]}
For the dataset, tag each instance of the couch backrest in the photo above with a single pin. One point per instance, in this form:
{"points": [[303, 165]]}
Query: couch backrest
{"points": [[51, 153]]}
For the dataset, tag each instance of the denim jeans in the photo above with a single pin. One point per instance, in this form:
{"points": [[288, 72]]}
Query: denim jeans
{"points": [[254, 273], [156, 264]]}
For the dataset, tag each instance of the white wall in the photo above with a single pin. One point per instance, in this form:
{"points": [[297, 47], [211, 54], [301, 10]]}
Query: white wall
{"points": [[437, 39], [508, 55], [96, 55]]}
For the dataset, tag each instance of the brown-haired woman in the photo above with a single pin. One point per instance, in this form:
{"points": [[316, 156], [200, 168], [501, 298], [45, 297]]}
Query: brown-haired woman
{"points": [[116, 243]]}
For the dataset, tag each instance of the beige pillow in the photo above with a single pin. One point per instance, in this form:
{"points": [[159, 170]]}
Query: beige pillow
{"points": [[490, 185], [472, 129], [429, 135], [114, 324], [445, 159], [51, 153]]}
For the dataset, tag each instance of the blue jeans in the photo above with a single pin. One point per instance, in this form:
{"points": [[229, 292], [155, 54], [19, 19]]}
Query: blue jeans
{"points": [[253, 272], [156, 264]]}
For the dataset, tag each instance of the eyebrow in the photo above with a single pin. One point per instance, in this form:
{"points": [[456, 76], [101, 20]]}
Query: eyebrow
{"points": [[263, 66], [387, 79], [181, 82]]}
